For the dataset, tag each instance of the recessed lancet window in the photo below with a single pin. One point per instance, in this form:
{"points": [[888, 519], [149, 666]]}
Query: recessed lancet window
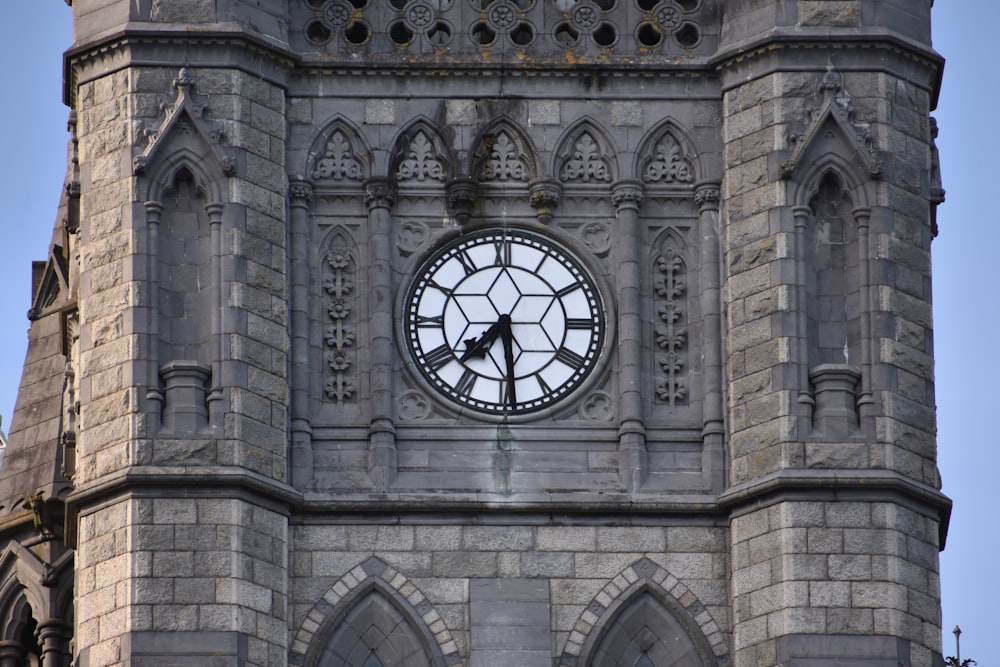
{"points": [[833, 297]]}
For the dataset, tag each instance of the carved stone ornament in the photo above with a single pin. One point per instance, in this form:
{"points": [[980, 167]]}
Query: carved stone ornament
{"points": [[187, 105], [669, 332], [587, 164], [544, 197], [339, 281], [707, 198], [627, 195], [505, 159], [598, 407], [462, 198], [300, 192], [380, 193], [338, 161], [837, 108], [597, 237], [422, 162], [411, 236], [668, 163], [414, 406]]}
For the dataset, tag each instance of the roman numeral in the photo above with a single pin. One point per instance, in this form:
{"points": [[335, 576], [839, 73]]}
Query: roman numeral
{"points": [[432, 322], [466, 383], [468, 266], [579, 323], [503, 252], [543, 385], [572, 287], [439, 356], [447, 291], [570, 358]]}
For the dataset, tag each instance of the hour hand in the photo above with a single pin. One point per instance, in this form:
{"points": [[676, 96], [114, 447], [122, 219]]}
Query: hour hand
{"points": [[480, 347]]}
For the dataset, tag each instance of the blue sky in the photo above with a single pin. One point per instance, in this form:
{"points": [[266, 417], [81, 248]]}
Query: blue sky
{"points": [[34, 34]]}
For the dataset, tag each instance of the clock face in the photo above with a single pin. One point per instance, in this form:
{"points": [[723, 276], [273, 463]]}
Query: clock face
{"points": [[504, 321]]}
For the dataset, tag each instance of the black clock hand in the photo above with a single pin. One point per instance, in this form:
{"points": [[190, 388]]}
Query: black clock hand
{"points": [[507, 336], [479, 347]]}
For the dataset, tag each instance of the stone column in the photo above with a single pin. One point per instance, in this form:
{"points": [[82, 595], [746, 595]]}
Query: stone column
{"points": [[53, 637], [805, 400], [627, 198], [154, 395], [300, 196], [862, 217], [215, 406], [713, 433], [11, 653], [380, 196]]}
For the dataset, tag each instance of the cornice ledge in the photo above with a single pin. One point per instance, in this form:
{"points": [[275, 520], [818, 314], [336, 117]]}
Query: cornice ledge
{"points": [[135, 36], [836, 485], [789, 37], [528, 503], [197, 481]]}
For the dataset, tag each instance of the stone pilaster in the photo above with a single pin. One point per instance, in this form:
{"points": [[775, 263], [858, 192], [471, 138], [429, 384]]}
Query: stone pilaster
{"points": [[632, 468], [380, 196]]}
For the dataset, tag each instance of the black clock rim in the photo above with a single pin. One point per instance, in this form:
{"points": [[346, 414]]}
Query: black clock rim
{"points": [[441, 391]]}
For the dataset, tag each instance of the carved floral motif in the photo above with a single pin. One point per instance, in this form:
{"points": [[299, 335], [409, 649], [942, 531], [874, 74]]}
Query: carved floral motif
{"points": [[338, 161], [668, 165], [669, 332], [421, 161], [505, 161], [588, 164], [339, 275]]}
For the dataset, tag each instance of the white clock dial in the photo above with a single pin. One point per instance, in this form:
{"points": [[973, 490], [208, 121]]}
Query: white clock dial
{"points": [[504, 321]]}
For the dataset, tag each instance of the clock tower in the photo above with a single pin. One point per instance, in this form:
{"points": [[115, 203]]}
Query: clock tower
{"points": [[391, 333]]}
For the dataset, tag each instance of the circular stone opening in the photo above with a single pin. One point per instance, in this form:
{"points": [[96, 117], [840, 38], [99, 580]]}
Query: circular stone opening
{"points": [[440, 34], [357, 33], [522, 34], [565, 35], [605, 35], [688, 35], [318, 33], [649, 35], [400, 34]]}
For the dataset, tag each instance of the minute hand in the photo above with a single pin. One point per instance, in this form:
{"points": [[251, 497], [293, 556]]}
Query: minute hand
{"points": [[507, 337]]}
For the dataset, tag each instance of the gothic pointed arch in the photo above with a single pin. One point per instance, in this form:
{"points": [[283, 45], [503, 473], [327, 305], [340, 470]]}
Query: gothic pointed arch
{"points": [[374, 616], [504, 156], [832, 140], [667, 159], [421, 157], [338, 157], [184, 139], [585, 156], [339, 264], [655, 620]]}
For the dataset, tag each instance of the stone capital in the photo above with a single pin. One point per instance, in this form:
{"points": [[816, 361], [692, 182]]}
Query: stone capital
{"points": [[380, 193], [300, 192], [707, 196], [627, 195]]}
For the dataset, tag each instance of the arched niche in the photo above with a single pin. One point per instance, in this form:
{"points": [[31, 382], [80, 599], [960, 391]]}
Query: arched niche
{"points": [[585, 156], [645, 623], [338, 156], [645, 632], [375, 627], [504, 156], [667, 159], [421, 157]]}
